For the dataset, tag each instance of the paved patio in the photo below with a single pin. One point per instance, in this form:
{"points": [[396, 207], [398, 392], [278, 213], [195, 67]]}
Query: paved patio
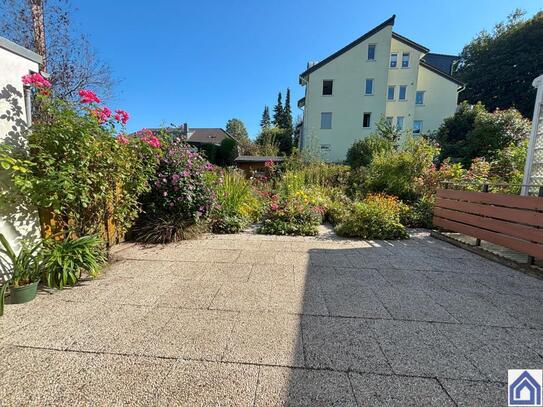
{"points": [[261, 320]]}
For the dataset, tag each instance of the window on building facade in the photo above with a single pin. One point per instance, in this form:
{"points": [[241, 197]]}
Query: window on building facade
{"points": [[371, 52], [403, 92], [390, 92], [327, 87], [389, 120], [419, 98], [417, 127], [399, 122], [366, 121], [405, 60], [369, 87], [326, 120], [393, 60]]}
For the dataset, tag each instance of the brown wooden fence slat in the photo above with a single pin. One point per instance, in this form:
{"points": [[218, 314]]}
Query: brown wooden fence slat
{"points": [[518, 215], [532, 249], [531, 203], [519, 231]]}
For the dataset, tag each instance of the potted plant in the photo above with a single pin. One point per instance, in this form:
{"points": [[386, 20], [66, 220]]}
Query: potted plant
{"points": [[23, 271]]}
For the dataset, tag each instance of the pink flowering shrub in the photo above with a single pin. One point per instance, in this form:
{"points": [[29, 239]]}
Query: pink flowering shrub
{"points": [[180, 190], [88, 96], [36, 80]]}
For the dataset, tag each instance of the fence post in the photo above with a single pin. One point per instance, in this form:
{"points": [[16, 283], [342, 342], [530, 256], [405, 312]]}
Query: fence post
{"points": [[478, 241], [531, 259]]}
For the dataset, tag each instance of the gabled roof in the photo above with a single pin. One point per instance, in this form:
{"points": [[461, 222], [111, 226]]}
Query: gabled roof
{"points": [[21, 51], [203, 135], [258, 159], [353, 44], [440, 73], [442, 62], [412, 44]]}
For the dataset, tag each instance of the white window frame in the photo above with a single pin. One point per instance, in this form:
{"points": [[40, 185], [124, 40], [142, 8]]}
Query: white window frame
{"points": [[331, 118], [398, 120], [393, 92], [408, 60], [400, 93], [419, 92], [390, 61], [369, 120], [366, 86], [322, 89], [374, 49], [421, 123]]}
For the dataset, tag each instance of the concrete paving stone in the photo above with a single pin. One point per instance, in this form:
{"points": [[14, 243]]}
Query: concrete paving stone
{"points": [[279, 386], [492, 350], [276, 273], [190, 294], [532, 338], [193, 383], [38, 377], [351, 299], [123, 380], [271, 339], [223, 244], [419, 348], [256, 256], [101, 327], [473, 308], [476, 394], [370, 278], [215, 256], [57, 329], [409, 279], [194, 334], [412, 304], [331, 258], [365, 258], [223, 272], [245, 296], [301, 297], [458, 282], [401, 391], [513, 283], [293, 258], [280, 246], [525, 311], [341, 344], [138, 337]]}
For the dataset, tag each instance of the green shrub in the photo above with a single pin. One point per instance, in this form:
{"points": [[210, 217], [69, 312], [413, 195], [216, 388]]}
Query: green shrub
{"points": [[420, 213], [361, 153], [377, 217], [292, 216], [65, 260], [395, 172]]}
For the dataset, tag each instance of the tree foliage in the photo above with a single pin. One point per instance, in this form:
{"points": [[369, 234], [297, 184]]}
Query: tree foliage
{"points": [[498, 67], [71, 60], [473, 132], [265, 122], [236, 129], [278, 111]]}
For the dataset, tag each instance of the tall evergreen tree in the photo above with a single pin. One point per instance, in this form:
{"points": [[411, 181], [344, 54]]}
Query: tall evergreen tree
{"points": [[265, 123], [278, 112], [287, 114]]}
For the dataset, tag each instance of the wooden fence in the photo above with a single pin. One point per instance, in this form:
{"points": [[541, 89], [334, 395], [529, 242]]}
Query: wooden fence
{"points": [[511, 221]]}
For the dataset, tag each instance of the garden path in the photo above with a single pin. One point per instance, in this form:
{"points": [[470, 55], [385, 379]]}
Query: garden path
{"points": [[263, 320]]}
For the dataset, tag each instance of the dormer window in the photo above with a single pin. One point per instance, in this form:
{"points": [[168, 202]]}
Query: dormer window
{"points": [[371, 52], [393, 60], [405, 60]]}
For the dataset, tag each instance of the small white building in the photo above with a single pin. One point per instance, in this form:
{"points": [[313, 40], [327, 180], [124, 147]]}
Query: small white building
{"points": [[380, 74], [15, 62]]}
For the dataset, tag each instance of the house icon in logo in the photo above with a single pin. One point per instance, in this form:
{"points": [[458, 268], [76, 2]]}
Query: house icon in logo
{"points": [[525, 387]]}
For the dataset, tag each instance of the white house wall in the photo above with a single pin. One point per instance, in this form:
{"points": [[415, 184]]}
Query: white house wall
{"points": [[348, 102], [15, 221]]}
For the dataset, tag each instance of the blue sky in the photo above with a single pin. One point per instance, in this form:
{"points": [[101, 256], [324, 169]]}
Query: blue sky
{"points": [[203, 62]]}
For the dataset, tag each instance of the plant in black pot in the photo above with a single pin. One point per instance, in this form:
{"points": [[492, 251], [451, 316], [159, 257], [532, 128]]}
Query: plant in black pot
{"points": [[20, 272]]}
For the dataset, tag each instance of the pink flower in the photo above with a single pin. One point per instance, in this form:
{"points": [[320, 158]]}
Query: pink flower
{"points": [[102, 114], [268, 164], [36, 80], [122, 139], [88, 96], [148, 137], [121, 116]]}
